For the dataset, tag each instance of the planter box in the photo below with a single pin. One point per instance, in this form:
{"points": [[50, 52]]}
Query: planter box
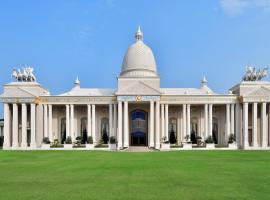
{"points": [[232, 146], [187, 146], [45, 146], [165, 146], [210, 145], [89, 146], [112, 147], [68, 146]]}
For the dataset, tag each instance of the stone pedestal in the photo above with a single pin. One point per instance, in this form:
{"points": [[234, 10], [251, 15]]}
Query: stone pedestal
{"points": [[210, 146], [165, 146], [187, 146]]}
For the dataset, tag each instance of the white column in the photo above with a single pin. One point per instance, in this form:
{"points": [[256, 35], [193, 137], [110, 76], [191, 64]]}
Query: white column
{"points": [[33, 126], [126, 131], [50, 124], [245, 125], [67, 122], [167, 121], [238, 128], [110, 121], [228, 129], [1, 132], [24, 126], [184, 131], [188, 120], [72, 132], [94, 124], [263, 125], [157, 125], [15, 126], [119, 134], [151, 138], [7, 131], [254, 124], [45, 118], [162, 122], [205, 135], [89, 120], [210, 124], [114, 120], [232, 118]]}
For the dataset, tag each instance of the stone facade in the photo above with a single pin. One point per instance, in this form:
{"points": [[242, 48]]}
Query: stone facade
{"points": [[137, 113]]}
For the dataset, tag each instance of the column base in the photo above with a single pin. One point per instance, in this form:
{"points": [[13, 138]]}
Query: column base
{"points": [[24, 145], [33, 146], [151, 145], [119, 146], [157, 146], [6, 147], [14, 146]]}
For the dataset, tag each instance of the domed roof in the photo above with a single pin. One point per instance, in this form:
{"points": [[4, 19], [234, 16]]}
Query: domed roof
{"points": [[139, 60]]}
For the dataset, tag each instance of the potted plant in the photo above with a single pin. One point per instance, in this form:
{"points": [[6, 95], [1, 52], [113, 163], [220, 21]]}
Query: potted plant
{"points": [[112, 143], [56, 144], [210, 142], [187, 144], [165, 144], [231, 141], [46, 143], [89, 143], [68, 143]]}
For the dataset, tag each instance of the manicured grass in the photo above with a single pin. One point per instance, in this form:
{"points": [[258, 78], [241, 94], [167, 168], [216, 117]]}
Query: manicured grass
{"points": [[192, 175]]}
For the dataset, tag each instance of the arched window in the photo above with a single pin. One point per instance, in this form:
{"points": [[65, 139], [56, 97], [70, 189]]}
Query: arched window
{"points": [[194, 130], [215, 130], [84, 129], [173, 130], [63, 130], [105, 130]]}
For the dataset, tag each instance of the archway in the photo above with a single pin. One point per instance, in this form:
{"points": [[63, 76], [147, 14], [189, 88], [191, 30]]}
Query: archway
{"points": [[139, 128], [194, 130], [215, 130]]}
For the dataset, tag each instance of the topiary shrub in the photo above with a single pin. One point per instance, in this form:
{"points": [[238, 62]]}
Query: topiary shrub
{"points": [[231, 138], [90, 140], [209, 140], [112, 140], [46, 140], [69, 140]]}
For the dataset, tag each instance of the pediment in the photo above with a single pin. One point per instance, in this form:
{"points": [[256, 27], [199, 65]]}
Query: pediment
{"points": [[261, 91], [17, 93], [138, 88]]}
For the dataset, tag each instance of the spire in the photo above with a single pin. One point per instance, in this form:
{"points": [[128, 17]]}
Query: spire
{"points": [[204, 81], [77, 82], [139, 34]]}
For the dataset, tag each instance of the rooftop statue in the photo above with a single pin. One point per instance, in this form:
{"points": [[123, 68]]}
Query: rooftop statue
{"points": [[254, 75], [26, 75]]}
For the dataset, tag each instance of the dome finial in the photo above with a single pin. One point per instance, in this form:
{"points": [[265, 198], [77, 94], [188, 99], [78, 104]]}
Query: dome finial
{"points": [[204, 81], [139, 34]]}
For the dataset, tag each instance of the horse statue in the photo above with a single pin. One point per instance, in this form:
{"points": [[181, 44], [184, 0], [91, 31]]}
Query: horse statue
{"points": [[26, 75], [254, 75]]}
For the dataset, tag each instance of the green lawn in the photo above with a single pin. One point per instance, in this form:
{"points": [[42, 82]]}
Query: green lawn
{"points": [[190, 175]]}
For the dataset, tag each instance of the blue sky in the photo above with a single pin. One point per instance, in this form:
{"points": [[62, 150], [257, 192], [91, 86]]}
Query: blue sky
{"points": [[190, 38]]}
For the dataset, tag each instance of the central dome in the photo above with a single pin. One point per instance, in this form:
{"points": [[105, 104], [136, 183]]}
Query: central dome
{"points": [[139, 60]]}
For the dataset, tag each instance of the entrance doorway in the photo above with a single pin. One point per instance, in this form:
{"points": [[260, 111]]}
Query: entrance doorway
{"points": [[138, 128]]}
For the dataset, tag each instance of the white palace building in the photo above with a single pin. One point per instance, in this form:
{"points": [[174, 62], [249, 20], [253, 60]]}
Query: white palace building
{"points": [[137, 113]]}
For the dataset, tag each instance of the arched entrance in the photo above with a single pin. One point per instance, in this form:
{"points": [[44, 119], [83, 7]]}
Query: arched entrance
{"points": [[138, 128]]}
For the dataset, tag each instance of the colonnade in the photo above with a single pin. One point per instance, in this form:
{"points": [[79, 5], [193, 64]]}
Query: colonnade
{"points": [[11, 125], [258, 138]]}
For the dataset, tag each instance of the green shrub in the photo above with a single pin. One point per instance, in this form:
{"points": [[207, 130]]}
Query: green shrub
{"points": [[112, 140], [101, 141], [231, 138], [46, 140], [187, 138], [69, 140], [90, 140], [209, 140], [164, 140]]}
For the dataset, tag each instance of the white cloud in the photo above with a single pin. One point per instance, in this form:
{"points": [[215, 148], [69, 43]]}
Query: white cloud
{"points": [[237, 7]]}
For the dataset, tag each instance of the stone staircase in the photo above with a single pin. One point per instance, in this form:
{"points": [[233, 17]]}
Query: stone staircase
{"points": [[137, 149]]}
